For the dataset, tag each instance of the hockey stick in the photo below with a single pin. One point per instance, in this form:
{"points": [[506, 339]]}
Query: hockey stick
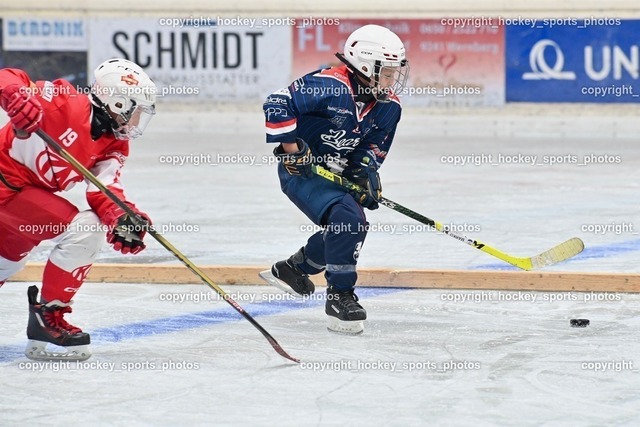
{"points": [[561, 252], [164, 242]]}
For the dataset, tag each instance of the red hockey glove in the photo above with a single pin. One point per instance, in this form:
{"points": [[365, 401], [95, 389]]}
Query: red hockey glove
{"points": [[24, 110], [125, 236]]}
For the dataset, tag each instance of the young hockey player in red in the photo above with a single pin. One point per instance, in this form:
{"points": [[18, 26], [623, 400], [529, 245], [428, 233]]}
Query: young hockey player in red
{"points": [[95, 129]]}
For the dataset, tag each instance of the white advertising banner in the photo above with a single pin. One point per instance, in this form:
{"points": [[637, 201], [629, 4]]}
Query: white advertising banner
{"points": [[198, 59]]}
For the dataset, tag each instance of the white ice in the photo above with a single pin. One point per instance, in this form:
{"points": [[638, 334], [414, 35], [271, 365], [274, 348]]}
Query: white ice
{"points": [[516, 362]]}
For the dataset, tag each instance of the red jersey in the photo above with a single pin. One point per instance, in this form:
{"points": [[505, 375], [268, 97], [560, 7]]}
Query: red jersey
{"points": [[67, 119]]}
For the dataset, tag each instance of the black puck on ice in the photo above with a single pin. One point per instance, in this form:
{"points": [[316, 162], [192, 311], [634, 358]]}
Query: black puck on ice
{"points": [[579, 323]]}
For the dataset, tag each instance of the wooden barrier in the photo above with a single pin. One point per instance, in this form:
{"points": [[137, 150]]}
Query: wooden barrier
{"points": [[427, 279]]}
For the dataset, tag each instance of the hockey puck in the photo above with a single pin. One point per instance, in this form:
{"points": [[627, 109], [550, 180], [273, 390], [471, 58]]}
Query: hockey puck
{"points": [[579, 323]]}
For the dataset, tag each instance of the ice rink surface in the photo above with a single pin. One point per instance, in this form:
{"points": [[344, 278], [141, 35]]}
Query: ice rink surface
{"points": [[177, 355]]}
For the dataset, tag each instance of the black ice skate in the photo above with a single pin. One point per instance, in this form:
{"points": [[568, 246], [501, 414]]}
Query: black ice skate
{"points": [[287, 277], [47, 325], [345, 314]]}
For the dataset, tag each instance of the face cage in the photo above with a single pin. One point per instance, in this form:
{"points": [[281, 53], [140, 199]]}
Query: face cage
{"points": [[401, 74], [131, 124]]}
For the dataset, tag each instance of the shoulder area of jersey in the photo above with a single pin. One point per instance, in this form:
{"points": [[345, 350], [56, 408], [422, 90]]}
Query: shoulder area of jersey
{"points": [[393, 101], [56, 90], [339, 76], [340, 73]]}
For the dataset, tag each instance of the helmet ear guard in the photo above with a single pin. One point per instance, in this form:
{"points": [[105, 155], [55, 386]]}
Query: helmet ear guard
{"points": [[353, 68], [365, 69], [101, 121]]}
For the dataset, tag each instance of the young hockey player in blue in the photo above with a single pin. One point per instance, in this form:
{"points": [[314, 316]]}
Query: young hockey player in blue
{"points": [[343, 118]]}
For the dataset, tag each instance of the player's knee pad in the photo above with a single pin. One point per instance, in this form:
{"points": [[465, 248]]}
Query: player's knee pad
{"points": [[80, 243]]}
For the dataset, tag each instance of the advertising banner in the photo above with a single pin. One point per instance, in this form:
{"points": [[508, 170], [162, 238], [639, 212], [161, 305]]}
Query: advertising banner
{"points": [[573, 60], [199, 59], [47, 49], [457, 62], [44, 34]]}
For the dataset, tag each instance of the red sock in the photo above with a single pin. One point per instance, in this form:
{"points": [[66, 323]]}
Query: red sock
{"points": [[62, 285]]}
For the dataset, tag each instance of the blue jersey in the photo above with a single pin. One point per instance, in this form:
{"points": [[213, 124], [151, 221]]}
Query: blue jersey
{"points": [[320, 109]]}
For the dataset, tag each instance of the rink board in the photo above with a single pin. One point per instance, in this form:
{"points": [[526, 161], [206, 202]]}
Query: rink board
{"points": [[427, 279]]}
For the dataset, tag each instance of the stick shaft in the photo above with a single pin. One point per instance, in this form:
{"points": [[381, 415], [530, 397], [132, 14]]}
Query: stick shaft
{"points": [[558, 253], [164, 242]]}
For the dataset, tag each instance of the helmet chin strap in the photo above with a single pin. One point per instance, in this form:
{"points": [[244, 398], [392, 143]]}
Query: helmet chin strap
{"points": [[362, 83], [101, 121], [363, 92]]}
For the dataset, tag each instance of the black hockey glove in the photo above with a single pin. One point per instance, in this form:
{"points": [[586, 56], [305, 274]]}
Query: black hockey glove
{"points": [[364, 172], [126, 237], [298, 163]]}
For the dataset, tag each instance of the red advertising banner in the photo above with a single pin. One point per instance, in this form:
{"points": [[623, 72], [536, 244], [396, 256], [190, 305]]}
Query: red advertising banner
{"points": [[454, 61]]}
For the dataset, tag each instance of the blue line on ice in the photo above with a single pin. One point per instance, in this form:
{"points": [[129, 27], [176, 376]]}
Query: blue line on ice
{"points": [[166, 325], [590, 252]]}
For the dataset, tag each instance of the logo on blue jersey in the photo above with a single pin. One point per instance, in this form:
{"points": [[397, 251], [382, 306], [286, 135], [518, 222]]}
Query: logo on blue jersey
{"points": [[338, 120], [337, 141], [275, 112]]}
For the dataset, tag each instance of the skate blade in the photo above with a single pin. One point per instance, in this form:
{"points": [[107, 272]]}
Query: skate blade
{"points": [[350, 327], [268, 277], [37, 350]]}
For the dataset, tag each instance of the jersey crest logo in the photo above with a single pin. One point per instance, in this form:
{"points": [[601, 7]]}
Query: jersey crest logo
{"points": [[338, 120], [54, 171], [337, 140], [48, 90]]}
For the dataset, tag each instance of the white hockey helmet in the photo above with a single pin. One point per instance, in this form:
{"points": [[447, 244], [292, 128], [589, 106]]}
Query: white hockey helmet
{"points": [[377, 54], [124, 91]]}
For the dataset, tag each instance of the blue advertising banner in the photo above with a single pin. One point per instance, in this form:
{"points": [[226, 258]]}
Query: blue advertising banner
{"points": [[44, 34], [573, 60], [47, 49]]}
